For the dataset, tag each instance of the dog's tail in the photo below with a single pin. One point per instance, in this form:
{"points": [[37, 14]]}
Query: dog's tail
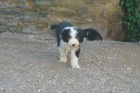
{"points": [[52, 27]]}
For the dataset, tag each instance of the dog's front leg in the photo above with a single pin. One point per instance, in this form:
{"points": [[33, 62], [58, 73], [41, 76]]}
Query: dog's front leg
{"points": [[74, 58], [63, 54]]}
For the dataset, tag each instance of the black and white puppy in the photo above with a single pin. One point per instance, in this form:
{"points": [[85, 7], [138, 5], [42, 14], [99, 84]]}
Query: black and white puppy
{"points": [[69, 38], [91, 34]]}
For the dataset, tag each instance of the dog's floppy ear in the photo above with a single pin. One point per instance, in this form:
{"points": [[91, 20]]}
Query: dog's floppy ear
{"points": [[65, 35], [81, 35]]}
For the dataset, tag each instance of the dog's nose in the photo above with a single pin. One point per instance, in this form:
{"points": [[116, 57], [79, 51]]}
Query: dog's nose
{"points": [[73, 45]]}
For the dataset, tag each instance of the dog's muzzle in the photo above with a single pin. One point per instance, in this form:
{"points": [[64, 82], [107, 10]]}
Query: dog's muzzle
{"points": [[73, 46]]}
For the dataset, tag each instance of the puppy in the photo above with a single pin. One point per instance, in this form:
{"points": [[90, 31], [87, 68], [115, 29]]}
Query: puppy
{"points": [[92, 34], [69, 38]]}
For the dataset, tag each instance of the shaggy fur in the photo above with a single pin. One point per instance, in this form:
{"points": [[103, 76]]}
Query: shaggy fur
{"points": [[92, 34], [69, 38]]}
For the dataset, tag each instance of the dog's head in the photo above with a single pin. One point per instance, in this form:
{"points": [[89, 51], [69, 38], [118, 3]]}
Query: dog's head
{"points": [[73, 36]]}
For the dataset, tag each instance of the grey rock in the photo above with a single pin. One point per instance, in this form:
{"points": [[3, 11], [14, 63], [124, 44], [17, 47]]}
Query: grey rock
{"points": [[43, 13], [2, 5], [9, 12], [12, 23], [30, 16], [3, 28]]}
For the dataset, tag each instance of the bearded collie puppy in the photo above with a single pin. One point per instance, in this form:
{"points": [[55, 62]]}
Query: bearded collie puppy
{"points": [[69, 38], [91, 34]]}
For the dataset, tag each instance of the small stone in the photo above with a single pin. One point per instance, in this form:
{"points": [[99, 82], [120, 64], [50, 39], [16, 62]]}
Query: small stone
{"points": [[56, 76], [31, 36], [38, 90], [128, 68], [88, 82]]}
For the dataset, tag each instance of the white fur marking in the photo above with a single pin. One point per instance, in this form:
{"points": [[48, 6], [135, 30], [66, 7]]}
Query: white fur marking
{"points": [[74, 60], [73, 39], [69, 27], [63, 52]]}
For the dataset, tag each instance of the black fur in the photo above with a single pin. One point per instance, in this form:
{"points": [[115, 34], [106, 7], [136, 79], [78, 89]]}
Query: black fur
{"points": [[92, 34], [65, 35], [80, 35], [77, 52], [59, 29]]}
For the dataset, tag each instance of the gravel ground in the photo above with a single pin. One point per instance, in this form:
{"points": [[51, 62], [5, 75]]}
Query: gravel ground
{"points": [[29, 64]]}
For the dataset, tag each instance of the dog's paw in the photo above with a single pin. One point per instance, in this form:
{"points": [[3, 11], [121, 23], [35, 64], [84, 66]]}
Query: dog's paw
{"points": [[75, 66], [63, 59]]}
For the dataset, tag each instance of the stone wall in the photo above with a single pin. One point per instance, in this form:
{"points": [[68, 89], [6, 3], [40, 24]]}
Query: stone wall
{"points": [[33, 16]]}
